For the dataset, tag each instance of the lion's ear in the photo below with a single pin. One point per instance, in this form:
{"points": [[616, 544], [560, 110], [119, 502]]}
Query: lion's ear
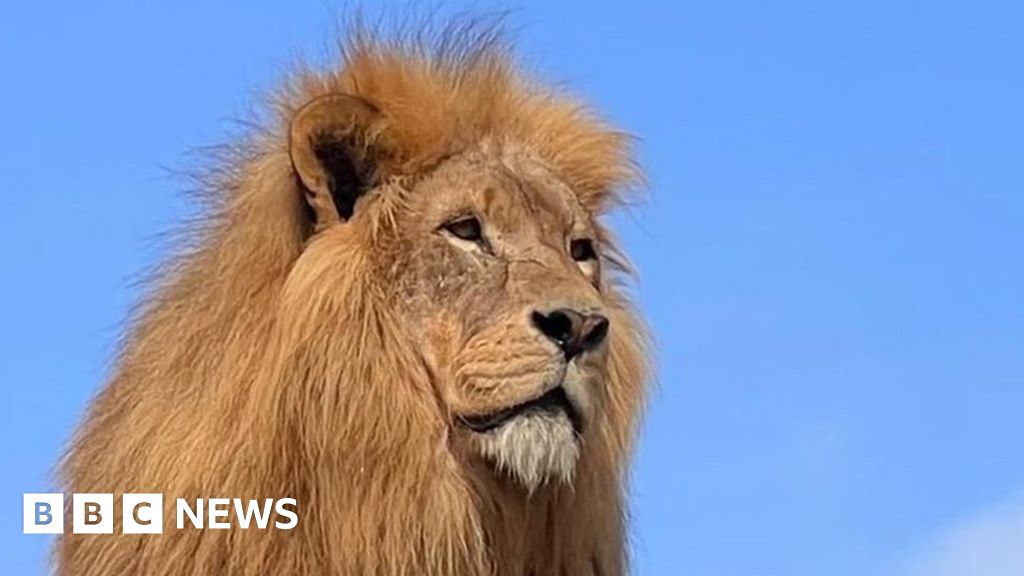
{"points": [[333, 149]]}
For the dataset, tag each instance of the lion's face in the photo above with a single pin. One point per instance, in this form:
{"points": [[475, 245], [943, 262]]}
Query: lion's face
{"points": [[499, 272], [492, 264]]}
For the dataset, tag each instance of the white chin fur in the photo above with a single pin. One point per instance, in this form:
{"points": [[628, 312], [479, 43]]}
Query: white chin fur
{"points": [[534, 448]]}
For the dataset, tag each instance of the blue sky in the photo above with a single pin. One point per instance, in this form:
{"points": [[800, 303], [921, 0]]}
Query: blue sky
{"points": [[830, 254]]}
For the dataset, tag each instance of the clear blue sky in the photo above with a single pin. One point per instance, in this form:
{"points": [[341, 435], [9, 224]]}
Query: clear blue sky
{"points": [[831, 255]]}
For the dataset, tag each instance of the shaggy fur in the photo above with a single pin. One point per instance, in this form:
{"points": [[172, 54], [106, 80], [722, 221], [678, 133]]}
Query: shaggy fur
{"points": [[280, 355]]}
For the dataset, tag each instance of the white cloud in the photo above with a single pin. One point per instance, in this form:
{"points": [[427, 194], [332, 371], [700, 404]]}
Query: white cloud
{"points": [[988, 544]]}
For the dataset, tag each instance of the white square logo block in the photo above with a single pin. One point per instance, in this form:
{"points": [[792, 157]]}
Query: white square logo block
{"points": [[142, 513], [92, 513], [43, 513]]}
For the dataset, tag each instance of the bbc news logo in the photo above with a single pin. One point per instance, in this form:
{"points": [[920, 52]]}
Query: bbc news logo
{"points": [[144, 513]]}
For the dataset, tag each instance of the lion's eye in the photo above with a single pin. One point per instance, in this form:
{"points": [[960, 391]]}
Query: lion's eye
{"points": [[467, 228], [582, 250]]}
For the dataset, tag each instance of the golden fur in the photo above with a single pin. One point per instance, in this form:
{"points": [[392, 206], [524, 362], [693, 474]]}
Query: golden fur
{"points": [[287, 357]]}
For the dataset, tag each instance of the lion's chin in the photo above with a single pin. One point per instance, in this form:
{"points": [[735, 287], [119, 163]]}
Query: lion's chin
{"points": [[534, 448]]}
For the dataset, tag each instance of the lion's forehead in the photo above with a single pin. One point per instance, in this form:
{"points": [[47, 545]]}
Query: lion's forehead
{"points": [[514, 190]]}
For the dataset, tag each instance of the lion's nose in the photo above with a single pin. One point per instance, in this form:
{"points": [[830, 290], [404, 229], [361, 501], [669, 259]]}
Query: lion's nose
{"points": [[572, 331]]}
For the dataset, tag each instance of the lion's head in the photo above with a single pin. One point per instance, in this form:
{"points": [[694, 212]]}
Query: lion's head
{"points": [[493, 265], [405, 312]]}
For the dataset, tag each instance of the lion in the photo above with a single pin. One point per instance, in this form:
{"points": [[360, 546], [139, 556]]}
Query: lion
{"points": [[403, 309]]}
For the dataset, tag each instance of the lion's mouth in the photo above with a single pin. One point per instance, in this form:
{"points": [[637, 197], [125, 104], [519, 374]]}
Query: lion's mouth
{"points": [[552, 402]]}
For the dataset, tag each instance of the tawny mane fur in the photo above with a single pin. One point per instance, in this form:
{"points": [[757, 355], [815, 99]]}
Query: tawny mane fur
{"points": [[276, 357]]}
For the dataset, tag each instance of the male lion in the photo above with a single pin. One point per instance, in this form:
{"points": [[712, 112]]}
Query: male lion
{"points": [[402, 311]]}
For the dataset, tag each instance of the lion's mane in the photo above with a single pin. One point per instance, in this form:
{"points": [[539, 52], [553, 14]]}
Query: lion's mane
{"points": [[244, 376]]}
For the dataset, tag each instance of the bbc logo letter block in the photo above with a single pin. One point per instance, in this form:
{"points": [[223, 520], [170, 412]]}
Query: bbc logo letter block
{"points": [[43, 513]]}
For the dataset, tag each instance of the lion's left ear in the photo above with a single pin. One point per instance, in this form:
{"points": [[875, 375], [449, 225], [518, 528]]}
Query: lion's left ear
{"points": [[335, 151]]}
